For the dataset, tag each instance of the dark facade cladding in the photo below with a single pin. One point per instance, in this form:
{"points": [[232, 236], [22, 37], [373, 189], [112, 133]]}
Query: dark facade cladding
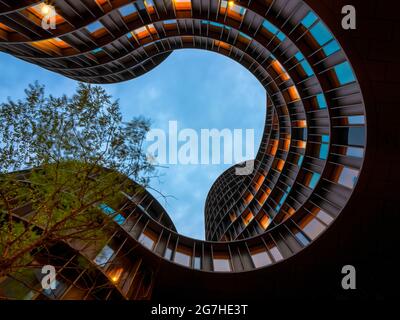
{"points": [[319, 173]]}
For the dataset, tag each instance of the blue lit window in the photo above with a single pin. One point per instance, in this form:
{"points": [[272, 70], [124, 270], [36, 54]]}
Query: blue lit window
{"points": [[321, 33], [281, 36], [344, 73], [127, 10], [307, 68], [309, 19], [321, 101], [129, 35], [314, 180], [325, 138], [244, 35], [93, 27], [331, 48], [97, 50], [323, 151], [173, 21], [299, 56], [302, 238], [110, 211], [270, 27], [300, 161], [355, 152], [356, 120]]}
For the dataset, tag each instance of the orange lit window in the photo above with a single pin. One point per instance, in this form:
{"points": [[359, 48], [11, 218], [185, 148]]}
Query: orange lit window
{"points": [[59, 43], [248, 217], [115, 274], [274, 147], [265, 221], [280, 164], [222, 44], [260, 180], [286, 144], [183, 4], [301, 144], [264, 196], [232, 216], [300, 123], [248, 198], [4, 27], [144, 32], [279, 70], [149, 6], [293, 93], [291, 211]]}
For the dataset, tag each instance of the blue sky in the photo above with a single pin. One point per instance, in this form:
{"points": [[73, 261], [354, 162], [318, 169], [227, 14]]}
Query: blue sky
{"points": [[198, 89]]}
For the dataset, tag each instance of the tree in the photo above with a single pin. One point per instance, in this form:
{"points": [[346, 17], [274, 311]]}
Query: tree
{"points": [[61, 158]]}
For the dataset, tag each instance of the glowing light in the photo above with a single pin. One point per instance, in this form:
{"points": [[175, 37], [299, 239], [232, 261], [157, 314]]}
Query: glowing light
{"points": [[231, 3], [46, 9], [115, 275]]}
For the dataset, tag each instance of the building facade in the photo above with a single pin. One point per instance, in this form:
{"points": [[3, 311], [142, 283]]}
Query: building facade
{"points": [[317, 198]]}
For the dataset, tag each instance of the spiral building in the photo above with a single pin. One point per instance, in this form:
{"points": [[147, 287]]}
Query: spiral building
{"points": [[316, 198]]}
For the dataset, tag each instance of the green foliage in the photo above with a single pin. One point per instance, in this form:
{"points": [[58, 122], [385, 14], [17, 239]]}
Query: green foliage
{"points": [[60, 157]]}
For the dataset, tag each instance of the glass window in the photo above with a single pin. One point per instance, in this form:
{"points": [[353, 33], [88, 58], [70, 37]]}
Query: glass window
{"points": [[302, 238], [356, 120], [104, 256], [270, 27], [321, 101], [355, 152], [168, 254], [260, 257], [309, 19], [314, 180], [331, 48], [276, 253], [324, 217], [221, 263], [197, 263], [344, 73], [348, 177], [147, 239], [323, 151], [182, 257], [265, 221], [321, 33], [127, 10], [311, 227], [95, 26]]}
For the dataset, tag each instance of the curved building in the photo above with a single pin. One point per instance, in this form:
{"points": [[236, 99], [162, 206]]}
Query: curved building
{"points": [[311, 203]]}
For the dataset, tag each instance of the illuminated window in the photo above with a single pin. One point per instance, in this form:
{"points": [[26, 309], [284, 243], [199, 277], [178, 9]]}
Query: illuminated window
{"points": [[304, 64], [293, 93], [127, 10], [265, 221], [280, 70], [309, 19], [314, 180], [321, 101], [321, 33], [356, 120], [302, 238], [248, 198], [232, 216], [115, 274], [264, 196], [149, 4], [279, 165], [248, 217], [183, 4], [355, 152], [344, 73], [331, 48]]}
